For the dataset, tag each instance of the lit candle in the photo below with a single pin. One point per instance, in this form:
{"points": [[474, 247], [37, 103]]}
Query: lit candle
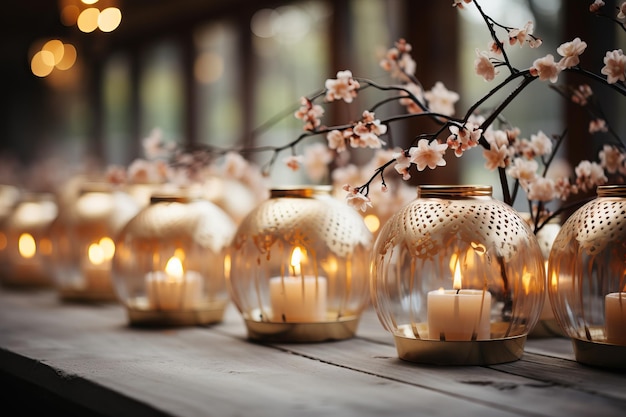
{"points": [[458, 314], [97, 268], [26, 266], [615, 318], [174, 288], [298, 298]]}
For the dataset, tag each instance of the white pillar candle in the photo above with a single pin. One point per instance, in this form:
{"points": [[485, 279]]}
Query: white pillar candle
{"points": [[459, 314], [96, 269], [174, 289], [298, 298], [615, 318]]}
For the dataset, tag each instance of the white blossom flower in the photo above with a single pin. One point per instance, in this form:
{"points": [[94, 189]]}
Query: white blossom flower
{"points": [[611, 158], [343, 88], [483, 66], [496, 156], [540, 144], [336, 140], [523, 169], [541, 189], [589, 175], [402, 165], [317, 157], [358, 201], [570, 51], [622, 11], [141, 171], [428, 154], [441, 100], [235, 165], [545, 68], [614, 66], [309, 113], [595, 6]]}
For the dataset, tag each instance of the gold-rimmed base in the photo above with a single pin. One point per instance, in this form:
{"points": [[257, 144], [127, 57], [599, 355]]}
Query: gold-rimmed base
{"points": [[87, 295], [175, 318], [337, 329], [470, 352], [599, 354]]}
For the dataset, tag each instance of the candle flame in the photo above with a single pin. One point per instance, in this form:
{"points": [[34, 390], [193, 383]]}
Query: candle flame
{"points": [[296, 257], [174, 268], [108, 248], [95, 254], [26, 245], [457, 277]]}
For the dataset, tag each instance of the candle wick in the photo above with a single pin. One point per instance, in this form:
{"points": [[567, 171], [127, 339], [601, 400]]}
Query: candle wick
{"points": [[457, 290]]}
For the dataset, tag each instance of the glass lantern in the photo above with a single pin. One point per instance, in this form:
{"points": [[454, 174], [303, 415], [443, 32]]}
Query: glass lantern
{"points": [[169, 262], [83, 242], [587, 279], [299, 269], [457, 278], [27, 243]]}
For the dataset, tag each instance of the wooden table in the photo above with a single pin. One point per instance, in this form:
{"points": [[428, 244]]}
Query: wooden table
{"points": [[83, 360]]}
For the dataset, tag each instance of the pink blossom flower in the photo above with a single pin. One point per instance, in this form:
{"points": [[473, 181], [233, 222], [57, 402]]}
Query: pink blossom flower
{"points": [[141, 171], [348, 174], [614, 66], [598, 125], [153, 146], [496, 156], [570, 51], [115, 174], [410, 104], [309, 113], [235, 165], [611, 158], [293, 162], [464, 138], [402, 165], [428, 154], [595, 6], [589, 175], [343, 88], [582, 94], [357, 200], [519, 35], [441, 100], [622, 11], [541, 189], [459, 3], [366, 132], [483, 66], [398, 61], [545, 68]]}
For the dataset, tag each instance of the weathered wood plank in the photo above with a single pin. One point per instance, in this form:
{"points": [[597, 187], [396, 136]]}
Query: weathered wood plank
{"points": [[88, 355]]}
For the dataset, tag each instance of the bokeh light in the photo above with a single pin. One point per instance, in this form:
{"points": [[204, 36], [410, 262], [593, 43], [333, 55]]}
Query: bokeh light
{"points": [[88, 20], [109, 19]]}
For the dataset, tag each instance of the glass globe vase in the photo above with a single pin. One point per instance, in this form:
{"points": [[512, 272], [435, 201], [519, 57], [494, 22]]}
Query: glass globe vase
{"points": [[299, 268], [457, 278], [587, 283], [168, 265], [83, 241]]}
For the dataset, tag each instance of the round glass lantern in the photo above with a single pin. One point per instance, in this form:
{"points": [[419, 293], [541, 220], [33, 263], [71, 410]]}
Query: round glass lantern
{"points": [[587, 279], [27, 244], [83, 242], [299, 270], [457, 278], [169, 262]]}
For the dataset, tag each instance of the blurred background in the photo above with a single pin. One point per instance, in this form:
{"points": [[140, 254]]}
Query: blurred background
{"points": [[85, 80]]}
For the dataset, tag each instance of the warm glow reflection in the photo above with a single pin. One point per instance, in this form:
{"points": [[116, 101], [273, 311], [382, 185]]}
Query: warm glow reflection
{"points": [[174, 269], [89, 1], [95, 254], [457, 277], [27, 246], [45, 246], [527, 282], [108, 248], [55, 47], [109, 19], [227, 266], [372, 222], [296, 257], [88, 20], [69, 57], [39, 64], [3, 241]]}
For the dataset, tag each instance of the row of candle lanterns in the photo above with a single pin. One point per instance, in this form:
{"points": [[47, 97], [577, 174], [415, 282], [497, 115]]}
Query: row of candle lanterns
{"points": [[455, 276]]}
